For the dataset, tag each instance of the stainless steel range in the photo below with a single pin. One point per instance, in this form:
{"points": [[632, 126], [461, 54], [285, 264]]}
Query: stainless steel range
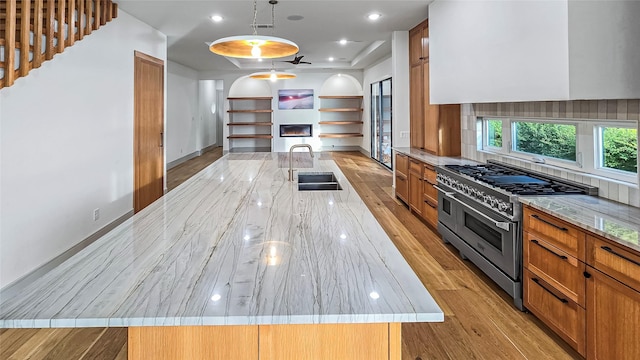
{"points": [[479, 213]]}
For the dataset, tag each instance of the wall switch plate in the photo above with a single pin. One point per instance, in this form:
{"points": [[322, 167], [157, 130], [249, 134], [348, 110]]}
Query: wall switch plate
{"points": [[96, 214], [404, 134]]}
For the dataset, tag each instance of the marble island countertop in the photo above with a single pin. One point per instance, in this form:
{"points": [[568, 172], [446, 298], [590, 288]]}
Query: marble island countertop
{"points": [[237, 244], [614, 221]]}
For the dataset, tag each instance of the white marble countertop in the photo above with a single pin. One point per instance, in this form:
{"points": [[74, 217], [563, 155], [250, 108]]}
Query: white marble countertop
{"points": [[433, 159], [614, 221], [235, 244]]}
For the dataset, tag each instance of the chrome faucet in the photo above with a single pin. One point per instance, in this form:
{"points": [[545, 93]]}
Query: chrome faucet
{"points": [[291, 157]]}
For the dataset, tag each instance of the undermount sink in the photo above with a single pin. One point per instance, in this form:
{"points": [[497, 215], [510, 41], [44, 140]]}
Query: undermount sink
{"points": [[318, 181]]}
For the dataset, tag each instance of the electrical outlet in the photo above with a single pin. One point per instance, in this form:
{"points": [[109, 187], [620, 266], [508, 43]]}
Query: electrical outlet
{"points": [[96, 214]]}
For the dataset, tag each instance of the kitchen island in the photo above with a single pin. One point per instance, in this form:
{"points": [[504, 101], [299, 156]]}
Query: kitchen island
{"points": [[236, 263]]}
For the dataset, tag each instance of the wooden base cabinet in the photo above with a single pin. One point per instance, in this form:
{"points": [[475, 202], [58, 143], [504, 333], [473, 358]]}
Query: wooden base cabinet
{"points": [[415, 187], [584, 287], [402, 180], [613, 301]]}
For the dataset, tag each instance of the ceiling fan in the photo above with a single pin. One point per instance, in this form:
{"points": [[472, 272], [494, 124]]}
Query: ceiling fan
{"points": [[297, 60]]}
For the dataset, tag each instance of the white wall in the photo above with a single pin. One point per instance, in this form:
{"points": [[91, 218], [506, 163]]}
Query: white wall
{"points": [[498, 51], [67, 145], [183, 118], [381, 71], [603, 59], [209, 111]]}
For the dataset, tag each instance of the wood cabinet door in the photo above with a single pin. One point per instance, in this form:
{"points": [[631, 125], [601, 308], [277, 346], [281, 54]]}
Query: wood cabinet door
{"points": [[415, 193], [431, 115], [613, 315], [415, 46], [416, 105]]}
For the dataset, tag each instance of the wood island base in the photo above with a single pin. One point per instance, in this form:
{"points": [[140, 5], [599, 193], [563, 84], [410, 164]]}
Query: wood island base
{"points": [[267, 342]]}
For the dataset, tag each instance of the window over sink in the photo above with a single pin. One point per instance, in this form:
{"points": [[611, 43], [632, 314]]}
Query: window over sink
{"points": [[600, 147]]}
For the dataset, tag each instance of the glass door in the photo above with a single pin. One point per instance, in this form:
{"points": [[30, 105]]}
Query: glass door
{"points": [[381, 122]]}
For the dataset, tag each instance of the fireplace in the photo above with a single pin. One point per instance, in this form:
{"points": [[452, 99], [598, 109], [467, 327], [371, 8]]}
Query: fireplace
{"points": [[296, 130]]}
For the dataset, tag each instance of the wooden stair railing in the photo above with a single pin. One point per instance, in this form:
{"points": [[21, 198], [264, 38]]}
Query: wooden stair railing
{"points": [[33, 31]]}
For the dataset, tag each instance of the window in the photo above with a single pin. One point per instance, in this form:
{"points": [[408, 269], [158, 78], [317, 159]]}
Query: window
{"points": [[618, 148], [608, 149], [552, 140], [494, 133]]}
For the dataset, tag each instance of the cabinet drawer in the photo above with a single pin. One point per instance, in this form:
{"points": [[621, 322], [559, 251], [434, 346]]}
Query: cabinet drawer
{"points": [[555, 231], [430, 212], [430, 191], [562, 315], [563, 271], [416, 167], [402, 164], [430, 173], [615, 261]]}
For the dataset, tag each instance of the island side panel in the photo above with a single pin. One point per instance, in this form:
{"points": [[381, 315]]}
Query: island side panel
{"points": [[371, 341], [328, 341], [193, 342]]}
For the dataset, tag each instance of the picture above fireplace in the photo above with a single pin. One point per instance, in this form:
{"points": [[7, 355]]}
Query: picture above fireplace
{"points": [[296, 130]]}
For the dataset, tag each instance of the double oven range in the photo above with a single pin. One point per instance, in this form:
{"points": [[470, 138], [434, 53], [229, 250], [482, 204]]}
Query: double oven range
{"points": [[479, 213]]}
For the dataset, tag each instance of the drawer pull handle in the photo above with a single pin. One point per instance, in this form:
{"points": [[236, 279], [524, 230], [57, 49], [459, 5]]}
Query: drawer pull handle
{"points": [[549, 250], [608, 249], [549, 223], [564, 301], [430, 183]]}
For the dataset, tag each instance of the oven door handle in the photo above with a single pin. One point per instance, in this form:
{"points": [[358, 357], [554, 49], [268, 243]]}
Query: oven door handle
{"points": [[445, 192], [504, 225]]}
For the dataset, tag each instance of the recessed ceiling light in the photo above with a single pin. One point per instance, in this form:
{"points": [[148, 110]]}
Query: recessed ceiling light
{"points": [[343, 42], [331, 59], [374, 16], [216, 18]]}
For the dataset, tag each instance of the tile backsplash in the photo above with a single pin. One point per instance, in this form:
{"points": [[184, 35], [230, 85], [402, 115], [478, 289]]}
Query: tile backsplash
{"points": [[579, 109]]}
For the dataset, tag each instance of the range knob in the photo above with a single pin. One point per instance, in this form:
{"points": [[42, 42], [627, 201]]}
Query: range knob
{"points": [[503, 207]]}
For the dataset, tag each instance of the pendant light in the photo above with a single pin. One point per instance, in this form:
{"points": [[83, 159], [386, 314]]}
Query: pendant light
{"points": [[272, 75], [254, 46]]}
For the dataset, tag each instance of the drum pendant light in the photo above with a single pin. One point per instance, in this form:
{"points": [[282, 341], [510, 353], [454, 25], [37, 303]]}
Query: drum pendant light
{"points": [[254, 46]]}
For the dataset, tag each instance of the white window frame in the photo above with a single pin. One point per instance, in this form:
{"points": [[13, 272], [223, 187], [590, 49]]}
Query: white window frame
{"points": [[587, 145]]}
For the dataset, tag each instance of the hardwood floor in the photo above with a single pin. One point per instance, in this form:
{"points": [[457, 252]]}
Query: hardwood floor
{"points": [[480, 319], [180, 173]]}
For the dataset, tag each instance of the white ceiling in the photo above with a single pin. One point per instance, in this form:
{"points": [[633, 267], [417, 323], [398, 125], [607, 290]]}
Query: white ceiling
{"points": [[189, 28]]}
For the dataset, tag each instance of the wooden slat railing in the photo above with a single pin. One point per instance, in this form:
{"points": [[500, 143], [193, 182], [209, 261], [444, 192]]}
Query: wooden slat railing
{"points": [[33, 31]]}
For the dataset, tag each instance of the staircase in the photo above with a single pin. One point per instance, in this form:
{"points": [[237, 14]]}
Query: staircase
{"points": [[33, 31]]}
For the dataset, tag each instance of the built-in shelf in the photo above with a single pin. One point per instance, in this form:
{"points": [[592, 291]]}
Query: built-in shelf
{"points": [[251, 111], [341, 135], [340, 122], [340, 109], [250, 124], [250, 136]]}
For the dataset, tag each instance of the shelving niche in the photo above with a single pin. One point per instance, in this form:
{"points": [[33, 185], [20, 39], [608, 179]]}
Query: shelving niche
{"points": [[341, 116], [250, 124]]}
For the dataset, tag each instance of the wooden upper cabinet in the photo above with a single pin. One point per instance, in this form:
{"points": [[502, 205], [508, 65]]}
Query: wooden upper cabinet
{"points": [[434, 128], [419, 44]]}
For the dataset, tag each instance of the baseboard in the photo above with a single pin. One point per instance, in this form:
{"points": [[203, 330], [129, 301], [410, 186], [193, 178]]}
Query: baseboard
{"points": [[365, 152], [19, 284], [179, 161], [207, 149]]}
